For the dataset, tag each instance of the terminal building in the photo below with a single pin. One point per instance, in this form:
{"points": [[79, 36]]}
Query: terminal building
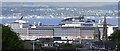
{"points": [[69, 29]]}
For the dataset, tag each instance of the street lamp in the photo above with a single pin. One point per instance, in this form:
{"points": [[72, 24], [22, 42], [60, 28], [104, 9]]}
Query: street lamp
{"points": [[33, 44]]}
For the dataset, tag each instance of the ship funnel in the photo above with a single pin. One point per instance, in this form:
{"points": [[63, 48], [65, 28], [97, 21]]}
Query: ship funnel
{"points": [[39, 24], [102, 20], [34, 24], [21, 18], [99, 21]]}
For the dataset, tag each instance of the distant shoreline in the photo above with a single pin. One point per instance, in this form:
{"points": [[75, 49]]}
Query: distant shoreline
{"points": [[49, 17], [56, 21]]}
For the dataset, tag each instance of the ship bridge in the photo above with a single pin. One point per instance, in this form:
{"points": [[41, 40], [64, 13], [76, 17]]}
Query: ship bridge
{"points": [[77, 21]]}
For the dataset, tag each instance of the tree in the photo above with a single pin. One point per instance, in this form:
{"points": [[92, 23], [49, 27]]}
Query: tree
{"points": [[77, 45], [66, 45], [116, 37], [10, 40]]}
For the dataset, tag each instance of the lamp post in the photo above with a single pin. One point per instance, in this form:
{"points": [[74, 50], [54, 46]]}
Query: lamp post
{"points": [[33, 45], [56, 48]]}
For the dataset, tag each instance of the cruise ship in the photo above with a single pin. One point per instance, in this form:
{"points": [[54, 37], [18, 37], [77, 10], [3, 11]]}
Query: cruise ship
{"points": [[68, 29]]}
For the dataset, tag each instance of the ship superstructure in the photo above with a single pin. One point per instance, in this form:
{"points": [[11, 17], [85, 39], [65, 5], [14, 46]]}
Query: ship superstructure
{"points": [[69, 29]]}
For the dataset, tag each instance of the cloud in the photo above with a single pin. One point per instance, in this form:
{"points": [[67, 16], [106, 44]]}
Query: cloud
{"points": [[60, 0]]}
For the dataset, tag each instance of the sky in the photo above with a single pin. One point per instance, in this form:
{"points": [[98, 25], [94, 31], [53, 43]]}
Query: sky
{"points": [[59, 4], [87, 4], [59, 0]]}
